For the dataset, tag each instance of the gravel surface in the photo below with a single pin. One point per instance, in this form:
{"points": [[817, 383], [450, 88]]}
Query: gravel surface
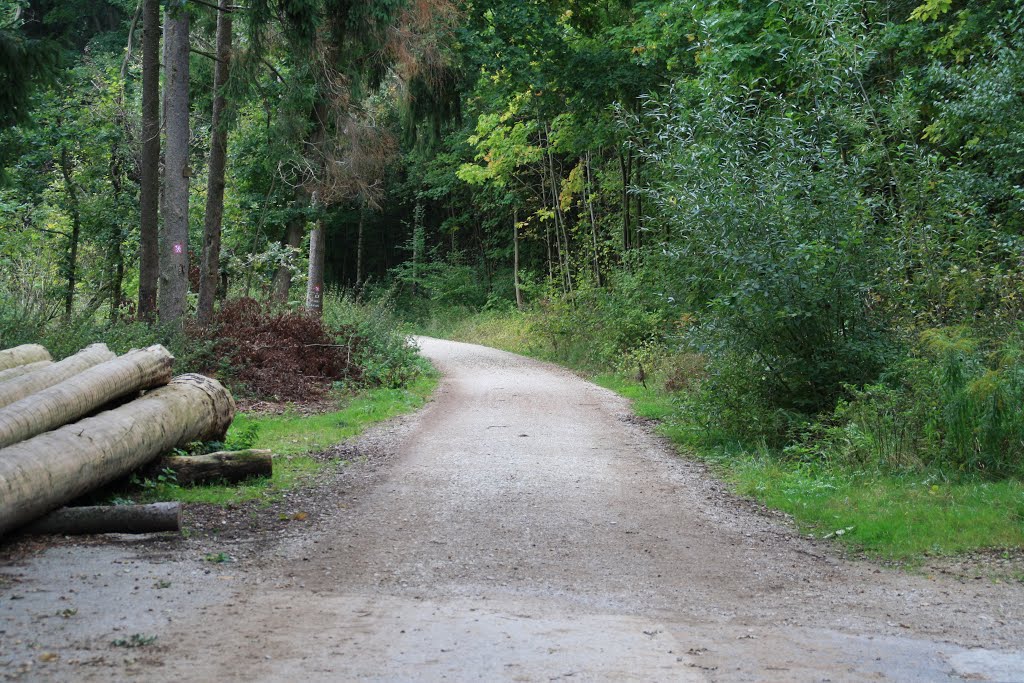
{"points": [[522, 527]]}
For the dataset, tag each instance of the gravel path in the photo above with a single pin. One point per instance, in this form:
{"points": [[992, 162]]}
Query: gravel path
{"points": [[523, 527]]}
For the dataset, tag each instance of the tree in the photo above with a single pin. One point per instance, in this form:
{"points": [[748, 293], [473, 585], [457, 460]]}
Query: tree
{"points": [[24, 64], [174, 257], [209, 274], [149, 162]]}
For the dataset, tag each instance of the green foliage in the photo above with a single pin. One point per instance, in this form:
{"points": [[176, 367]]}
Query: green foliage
{"points": [[384, 353], [135, 640], [954, 408], [26, 321], [902, 510], [24, 63]]}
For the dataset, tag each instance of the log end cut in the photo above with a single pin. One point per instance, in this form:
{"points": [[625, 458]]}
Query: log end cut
{"points": [[222, 405]]}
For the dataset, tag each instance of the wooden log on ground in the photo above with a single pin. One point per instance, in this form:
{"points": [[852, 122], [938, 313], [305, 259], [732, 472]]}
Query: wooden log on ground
{"points": [[49, 470], [110, 519], [83, 393], [22, 355], [11, 373], [227, 466], [26, 385]]}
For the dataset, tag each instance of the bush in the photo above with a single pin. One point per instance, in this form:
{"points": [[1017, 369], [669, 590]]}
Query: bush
{"points": [[374, 338], [952, 407], [61, 337]]}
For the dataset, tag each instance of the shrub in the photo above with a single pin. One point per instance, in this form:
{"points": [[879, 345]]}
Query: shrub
{"points": [[374, 338], [951, 407]]}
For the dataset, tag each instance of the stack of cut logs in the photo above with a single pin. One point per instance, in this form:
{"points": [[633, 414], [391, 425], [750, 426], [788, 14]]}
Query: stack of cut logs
{"points": [[70, 427]]}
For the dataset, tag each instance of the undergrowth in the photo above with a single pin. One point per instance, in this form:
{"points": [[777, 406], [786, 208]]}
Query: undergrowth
{"points": [[293, 438], [889, 473]]}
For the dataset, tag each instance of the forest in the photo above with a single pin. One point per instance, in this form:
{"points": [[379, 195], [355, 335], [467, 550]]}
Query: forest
{"points": [[791, 228]]}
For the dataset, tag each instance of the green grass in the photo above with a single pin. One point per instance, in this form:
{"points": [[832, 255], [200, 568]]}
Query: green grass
{"points": [[890, 516], [292, 434], [292, 438], [894, 517]]}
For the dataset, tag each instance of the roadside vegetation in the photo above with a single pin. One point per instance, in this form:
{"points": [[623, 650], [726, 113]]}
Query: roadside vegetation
{"points": [[796, 224], [295, 439], [308, 383], [894, 508]]}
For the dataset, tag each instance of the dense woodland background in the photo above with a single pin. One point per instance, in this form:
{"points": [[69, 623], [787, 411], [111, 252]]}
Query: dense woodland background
{"points": [[800, 218]]}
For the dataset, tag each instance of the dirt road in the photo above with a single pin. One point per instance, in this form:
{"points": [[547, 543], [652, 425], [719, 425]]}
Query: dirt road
{"points": [[524, 528]]}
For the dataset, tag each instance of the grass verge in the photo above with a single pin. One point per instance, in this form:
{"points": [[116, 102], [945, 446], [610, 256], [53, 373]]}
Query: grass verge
{"points": [[292, 438], [890, 516]]}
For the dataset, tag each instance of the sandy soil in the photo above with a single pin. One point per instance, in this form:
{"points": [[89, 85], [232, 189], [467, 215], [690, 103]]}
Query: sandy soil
{"points": [[522, 527]]}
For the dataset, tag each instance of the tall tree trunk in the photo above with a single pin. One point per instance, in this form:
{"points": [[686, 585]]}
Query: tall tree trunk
{"points": [[317, 238], [117, 284], [359, 247], [71, 264], [624, 171], [564, 255], [149, 163], [174, 242], [116, 258], [283, 274], [639, 206], [315, 286], [515, 259], [210, 265], [588, 198]]}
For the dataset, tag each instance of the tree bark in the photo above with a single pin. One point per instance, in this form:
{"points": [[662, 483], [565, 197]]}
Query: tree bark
{"points": [[149, 163], [317, 238], [210, 270], [624, 170], [174, 241], [23, 355], [83, 393], [26, 385], [227, 466], [588, 198], [564, 259], [359, 247], [49, 470], [110, 519], [71, 264], [117, 283], [11, 373], [283, 274], [315, 285]]}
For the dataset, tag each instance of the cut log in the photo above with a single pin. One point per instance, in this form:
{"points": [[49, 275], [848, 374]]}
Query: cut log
{"points": [[26, 385], [83, 393], [11, 373], [47, 471], [227, 466], [22, 355], [110, 519]]}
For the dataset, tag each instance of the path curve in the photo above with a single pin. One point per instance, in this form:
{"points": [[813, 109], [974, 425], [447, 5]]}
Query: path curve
{"points": [[529, 529]]}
